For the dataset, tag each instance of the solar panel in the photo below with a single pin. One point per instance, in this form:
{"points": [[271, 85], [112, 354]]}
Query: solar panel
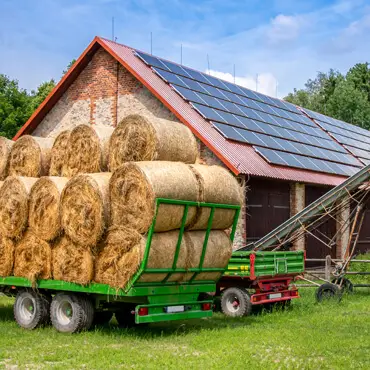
{"points": [[263, 140], [299, 161], [277, 129], [354, 138]]}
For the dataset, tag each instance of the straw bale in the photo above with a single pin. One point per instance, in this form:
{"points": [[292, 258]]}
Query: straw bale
{"points": [[85, 207], [30, 156], [5, 147], [6, 256], [135, 185], [32, 258], [14, 197], [44, 207], [137, 138], [72, 262], [87, 150], [216, 185], [218, 253], [162, 253], [120, 257], [58, 153]]}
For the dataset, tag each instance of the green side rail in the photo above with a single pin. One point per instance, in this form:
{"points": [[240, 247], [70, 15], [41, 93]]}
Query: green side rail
{"points": [[136, 288], [264, 264], [307, 214]]}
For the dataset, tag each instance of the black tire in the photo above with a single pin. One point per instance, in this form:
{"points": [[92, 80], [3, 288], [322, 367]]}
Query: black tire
{"points": [[90, 312], [70, 313], [328, 291], [102, 317], [31, 309], [346, 284], [125, 317], [235, 302]]}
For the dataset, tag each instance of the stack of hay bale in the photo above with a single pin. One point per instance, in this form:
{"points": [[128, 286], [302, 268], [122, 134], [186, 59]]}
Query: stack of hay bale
{"points": [[87, 221]]}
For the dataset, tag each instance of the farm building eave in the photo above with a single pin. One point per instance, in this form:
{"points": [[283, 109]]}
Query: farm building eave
{"points": [[238, 157]]}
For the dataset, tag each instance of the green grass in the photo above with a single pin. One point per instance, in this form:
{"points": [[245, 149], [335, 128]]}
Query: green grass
{"points": [[306, 336]]}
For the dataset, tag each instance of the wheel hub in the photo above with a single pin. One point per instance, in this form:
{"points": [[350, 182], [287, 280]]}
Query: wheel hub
{"points": [[27, 309]]}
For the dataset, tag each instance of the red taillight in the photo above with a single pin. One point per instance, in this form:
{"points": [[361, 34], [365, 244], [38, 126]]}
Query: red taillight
{"points": [[143, 311], [206, 306], [294, 293]]}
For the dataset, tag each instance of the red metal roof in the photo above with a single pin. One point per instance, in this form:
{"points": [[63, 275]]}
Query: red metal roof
{"points": [[240, 158]]}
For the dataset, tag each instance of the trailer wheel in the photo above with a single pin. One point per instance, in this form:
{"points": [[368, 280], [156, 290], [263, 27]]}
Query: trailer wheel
{"points": [[102, 317], [235, 302], [328, 291], [31, 309], [71, 313], [346, 284]]}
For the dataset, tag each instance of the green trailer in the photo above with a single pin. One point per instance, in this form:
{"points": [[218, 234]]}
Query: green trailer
{"points": [[259, 278], [73, 307]]}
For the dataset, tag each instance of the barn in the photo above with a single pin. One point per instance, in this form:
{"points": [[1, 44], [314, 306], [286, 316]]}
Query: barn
{"points": [[284, 156]]}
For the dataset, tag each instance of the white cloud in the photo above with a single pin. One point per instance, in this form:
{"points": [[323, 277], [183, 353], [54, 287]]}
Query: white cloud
{"points": [[284, 28], [264, 82]]}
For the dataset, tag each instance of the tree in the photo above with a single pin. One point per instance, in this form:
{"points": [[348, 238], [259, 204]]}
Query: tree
{"points": [[70, 64], [343, 97], [14, 106], [17, 105]]}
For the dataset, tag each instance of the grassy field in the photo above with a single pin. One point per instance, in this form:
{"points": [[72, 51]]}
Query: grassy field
{"points": [[305, 336]]}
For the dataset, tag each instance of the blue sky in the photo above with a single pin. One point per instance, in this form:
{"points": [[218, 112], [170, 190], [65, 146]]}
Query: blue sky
{"points": [[284, 42]]}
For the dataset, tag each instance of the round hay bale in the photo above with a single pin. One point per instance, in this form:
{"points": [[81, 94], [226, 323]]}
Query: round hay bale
{"points": [[30, 156], [216, 185], [5, 147], [32, 258], [6, 256], [87, 150], [85, 207], [162, 253], [218, 253], [14, 197], [138, 139], [58, 153], [120, 257], [71, 262], [44, 207], [134, 187]]}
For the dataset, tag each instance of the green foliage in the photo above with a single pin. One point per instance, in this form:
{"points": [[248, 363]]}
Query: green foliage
{"points": [[346, 97], [17, 105]]}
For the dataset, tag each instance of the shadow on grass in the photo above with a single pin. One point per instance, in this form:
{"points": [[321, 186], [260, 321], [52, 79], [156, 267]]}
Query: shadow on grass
{"points": [[6, 313]]}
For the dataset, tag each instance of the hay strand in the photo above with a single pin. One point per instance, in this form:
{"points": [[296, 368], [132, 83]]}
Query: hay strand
{"points": [[71, 262], [87, 150], [5, 147], [216, 185], [6, 256], [85, 207], [14, 197], [120, 257], [58, 153], [32, 258], [134, 187], [30, 156], [44, 207], [137, 138]]}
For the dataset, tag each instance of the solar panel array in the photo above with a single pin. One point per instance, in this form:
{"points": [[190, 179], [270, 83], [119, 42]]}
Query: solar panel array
{"points": [[278, 131], [353, 138]]}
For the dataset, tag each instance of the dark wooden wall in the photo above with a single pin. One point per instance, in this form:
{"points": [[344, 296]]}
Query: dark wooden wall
{"points": [[268, 205], [314, 248]]}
